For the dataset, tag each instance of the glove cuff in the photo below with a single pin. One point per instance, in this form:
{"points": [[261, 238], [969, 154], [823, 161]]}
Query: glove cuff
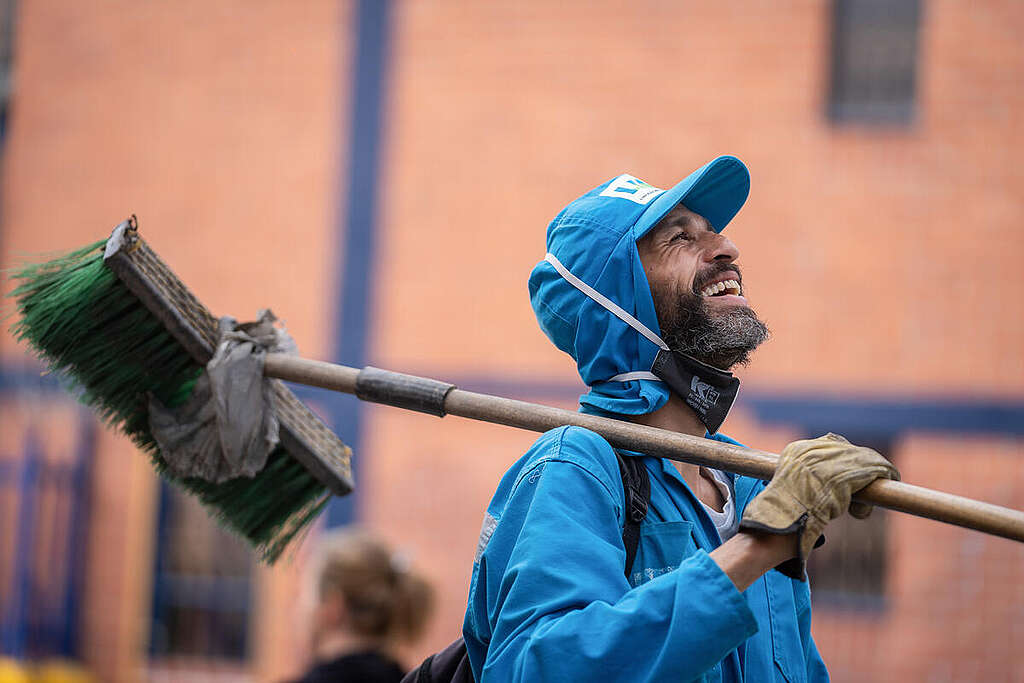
{"points": [[806, 527], [748, 524], [796, 567]]}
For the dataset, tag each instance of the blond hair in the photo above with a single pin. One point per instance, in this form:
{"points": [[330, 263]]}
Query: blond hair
{"points": [[383, 597]]}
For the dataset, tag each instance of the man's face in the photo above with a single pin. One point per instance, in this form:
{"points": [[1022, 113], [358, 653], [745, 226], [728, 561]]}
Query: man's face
{"points": [[698, 290]]}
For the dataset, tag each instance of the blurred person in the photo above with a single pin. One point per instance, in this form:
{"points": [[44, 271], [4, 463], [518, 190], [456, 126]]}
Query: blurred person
{"points": [[369, 601], [642, 289]]}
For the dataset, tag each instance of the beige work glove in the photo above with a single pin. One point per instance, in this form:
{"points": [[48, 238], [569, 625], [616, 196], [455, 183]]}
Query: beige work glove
{"points": [[812, 485]]}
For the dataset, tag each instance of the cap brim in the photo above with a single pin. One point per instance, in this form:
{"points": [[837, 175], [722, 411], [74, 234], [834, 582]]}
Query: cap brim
{"points": [[716, 191]]}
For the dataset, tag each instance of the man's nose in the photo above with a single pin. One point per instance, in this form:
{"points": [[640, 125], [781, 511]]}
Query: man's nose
{"points": [[721, 248]]}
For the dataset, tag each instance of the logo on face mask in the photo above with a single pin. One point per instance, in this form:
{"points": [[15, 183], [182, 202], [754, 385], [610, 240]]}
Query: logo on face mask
{"points": [[709, 391], [702, 396], [631, 188]]}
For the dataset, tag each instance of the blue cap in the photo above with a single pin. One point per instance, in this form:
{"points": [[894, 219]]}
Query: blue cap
{"points": [[594, 238]]}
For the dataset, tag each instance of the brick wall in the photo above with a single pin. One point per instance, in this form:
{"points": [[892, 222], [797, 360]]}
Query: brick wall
{"points": [[220, 126], [882, 258]]}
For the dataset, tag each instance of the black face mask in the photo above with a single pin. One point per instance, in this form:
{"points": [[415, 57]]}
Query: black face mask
{"points": [[710, 392]]}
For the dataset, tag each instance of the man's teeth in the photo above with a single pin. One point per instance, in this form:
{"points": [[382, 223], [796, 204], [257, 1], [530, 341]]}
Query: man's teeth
{"points": [[727, 286]]}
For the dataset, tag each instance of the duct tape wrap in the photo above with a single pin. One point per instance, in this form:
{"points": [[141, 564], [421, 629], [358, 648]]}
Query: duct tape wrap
{"points": [[227, 427], [402, 391]]}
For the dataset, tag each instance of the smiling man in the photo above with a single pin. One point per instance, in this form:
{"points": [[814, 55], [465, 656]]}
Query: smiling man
{"points": [[642, 289]]}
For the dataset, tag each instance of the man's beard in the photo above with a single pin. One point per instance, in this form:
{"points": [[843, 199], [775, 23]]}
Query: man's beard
{"points": [[722, 339]]}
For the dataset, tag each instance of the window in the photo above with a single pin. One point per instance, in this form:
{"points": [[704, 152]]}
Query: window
{"points": [[850, 569], [203, 584], [874, 60], [44, 508]]}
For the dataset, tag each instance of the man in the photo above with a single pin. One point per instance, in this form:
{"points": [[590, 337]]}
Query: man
{"points": [[641, 288]]}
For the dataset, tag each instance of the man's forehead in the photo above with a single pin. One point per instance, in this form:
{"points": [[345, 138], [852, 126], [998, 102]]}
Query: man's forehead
{"points": [[680, 216]]}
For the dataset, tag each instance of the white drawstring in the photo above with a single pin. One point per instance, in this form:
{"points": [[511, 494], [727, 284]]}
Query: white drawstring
{"points": [[615, 310], [630, 376]]}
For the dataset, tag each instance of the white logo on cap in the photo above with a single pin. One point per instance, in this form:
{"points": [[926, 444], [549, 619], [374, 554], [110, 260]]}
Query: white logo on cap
{"points": [[631, 188]]}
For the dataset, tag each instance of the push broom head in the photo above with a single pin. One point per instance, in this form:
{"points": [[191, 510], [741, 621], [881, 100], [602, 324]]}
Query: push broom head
{"points": [[120, 326]]}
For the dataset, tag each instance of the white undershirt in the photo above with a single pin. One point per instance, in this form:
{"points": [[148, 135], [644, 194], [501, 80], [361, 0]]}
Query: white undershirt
{"points": [[725, 521]]}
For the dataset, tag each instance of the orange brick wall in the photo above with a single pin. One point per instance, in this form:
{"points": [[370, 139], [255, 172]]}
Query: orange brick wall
{"points": [[502, 113], [221, 126], [882, 258]]}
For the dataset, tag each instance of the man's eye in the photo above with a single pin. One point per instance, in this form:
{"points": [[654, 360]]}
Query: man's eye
{"points": [[681, 237]]}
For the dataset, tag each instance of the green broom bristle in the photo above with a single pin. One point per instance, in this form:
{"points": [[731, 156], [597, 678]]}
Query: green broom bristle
{"points": [[87, 326]]}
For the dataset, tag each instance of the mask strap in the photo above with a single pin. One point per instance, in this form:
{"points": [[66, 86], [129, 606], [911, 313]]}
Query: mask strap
{"points": [[630, 376], [615, 310]]}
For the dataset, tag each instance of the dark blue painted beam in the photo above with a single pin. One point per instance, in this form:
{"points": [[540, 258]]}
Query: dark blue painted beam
{"points": [[889, 415], [882, 415], [358, 226], [27, 378], [885, 416]]}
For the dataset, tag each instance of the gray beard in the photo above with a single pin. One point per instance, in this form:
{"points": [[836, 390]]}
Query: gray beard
{"points": [[723, 339]]}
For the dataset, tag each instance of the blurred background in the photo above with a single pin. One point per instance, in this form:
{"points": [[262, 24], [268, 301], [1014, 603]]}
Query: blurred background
{"points": [[381, 173]]}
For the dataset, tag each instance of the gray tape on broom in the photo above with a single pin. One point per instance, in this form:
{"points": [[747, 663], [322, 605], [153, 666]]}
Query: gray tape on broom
{"points": [[402, 391], [228, 426]]}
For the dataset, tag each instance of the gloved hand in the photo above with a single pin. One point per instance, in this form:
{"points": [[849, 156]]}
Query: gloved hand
{"points": [[812, 486]]}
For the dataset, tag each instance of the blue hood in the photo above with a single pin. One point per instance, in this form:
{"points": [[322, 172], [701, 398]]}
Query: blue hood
{"points": [[594, 238]]}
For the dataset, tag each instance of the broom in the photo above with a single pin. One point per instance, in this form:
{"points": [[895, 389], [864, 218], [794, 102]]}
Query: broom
{"points": [[115, 320], [119, 326]]}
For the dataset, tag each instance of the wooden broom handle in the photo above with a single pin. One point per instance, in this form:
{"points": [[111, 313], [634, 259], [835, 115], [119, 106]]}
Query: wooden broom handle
{"points": [[894, 495]]}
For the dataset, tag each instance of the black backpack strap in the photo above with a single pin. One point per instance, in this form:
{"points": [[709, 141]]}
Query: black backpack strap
{"points": [[423, 673], [450, 665], [636, 486]]}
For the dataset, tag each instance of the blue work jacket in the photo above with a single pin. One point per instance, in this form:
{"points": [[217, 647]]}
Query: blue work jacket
{"points": [[549, 599]]}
